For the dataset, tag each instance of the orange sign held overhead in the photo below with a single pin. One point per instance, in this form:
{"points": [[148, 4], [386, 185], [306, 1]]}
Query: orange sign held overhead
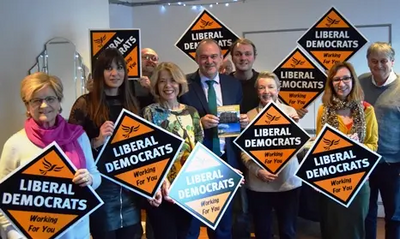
{"points": [[127, 41], [40, 199], [205, 186], [301, 80], [206, 26], [337, 166], [138, 155], [332, 39], [272, 139]]}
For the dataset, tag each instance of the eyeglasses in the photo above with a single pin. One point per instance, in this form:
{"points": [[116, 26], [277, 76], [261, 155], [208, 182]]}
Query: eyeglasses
{"points": [[36, 102], [345, 79], [150, 57]]}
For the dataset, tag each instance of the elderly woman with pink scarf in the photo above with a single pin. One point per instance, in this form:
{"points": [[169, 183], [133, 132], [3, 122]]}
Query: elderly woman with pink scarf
{"points": [[42, 94]]}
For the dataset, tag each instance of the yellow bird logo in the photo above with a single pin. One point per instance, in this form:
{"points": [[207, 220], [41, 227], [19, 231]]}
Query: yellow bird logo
{"points": [[49, 167], [330, 143], [296, 62], [128, 130], [100, 41], [331, 21], [272, 118], [205, 23]]}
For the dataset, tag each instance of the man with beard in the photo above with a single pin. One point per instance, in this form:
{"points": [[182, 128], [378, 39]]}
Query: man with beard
{"points": [[244, 52], [207, 90], [142, 86]]}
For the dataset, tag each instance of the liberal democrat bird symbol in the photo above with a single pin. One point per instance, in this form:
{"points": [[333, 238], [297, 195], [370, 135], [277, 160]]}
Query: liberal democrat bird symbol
{"points": [[296, 62], [331, 21], [50, 167], [128, 130], [205, 23], [100, 41], [272, 118], [330, 143]]}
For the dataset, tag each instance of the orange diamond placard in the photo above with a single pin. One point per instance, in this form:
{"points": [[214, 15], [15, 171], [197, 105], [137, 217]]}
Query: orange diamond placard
{"points": [[127, 41], [337, 166], [41, 201], [206, 26], [272, 138], [301, 80], [332, 39], [138, 155]]}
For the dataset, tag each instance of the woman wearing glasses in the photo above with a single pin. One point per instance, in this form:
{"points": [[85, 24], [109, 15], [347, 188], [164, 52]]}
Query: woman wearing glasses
{"points": [[42, 95], [344, 109]]}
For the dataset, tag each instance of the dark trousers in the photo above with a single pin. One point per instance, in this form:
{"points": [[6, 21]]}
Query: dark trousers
{"points": [[122, 233], [339, 222], [241, 227], [384, 179], [169, 221], [223, 230], [286, 208]]}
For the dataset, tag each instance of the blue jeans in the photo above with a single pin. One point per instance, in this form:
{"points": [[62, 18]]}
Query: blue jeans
{"points": [[286, 205], [384, 179], [223, 231]]}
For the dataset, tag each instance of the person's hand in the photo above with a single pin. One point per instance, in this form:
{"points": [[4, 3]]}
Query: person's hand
{"points": [[295, 117], [106, 130], [244, 120], [145, 82], [302, 112], [209, 121], [265, 176], [354, 137], [82, 178], [240, 172], [165, 191], [157, 200]]}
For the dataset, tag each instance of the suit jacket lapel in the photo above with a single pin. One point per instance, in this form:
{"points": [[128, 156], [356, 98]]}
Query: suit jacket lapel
{"points": [[198, 88], [226, 96]]}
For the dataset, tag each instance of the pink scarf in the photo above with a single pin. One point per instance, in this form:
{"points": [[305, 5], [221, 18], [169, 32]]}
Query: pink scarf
{"points": [[66, 136]]}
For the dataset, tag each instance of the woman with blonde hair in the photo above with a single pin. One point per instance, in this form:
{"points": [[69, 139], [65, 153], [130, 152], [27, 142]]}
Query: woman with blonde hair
{"points": [[42, 95], [168, 83]]}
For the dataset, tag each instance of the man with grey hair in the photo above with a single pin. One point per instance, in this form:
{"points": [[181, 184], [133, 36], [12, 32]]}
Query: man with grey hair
{"points": [[382, 89]]}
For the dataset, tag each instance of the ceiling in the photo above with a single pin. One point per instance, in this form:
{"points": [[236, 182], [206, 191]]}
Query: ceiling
{"points": [[135, 3]]}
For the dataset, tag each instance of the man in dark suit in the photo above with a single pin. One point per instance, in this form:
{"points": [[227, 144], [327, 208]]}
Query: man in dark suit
{"points": [[226, 90]]}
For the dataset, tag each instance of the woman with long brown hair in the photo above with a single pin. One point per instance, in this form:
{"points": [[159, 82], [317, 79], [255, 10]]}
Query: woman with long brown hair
{"points": [[343, 107], [97, 111]]}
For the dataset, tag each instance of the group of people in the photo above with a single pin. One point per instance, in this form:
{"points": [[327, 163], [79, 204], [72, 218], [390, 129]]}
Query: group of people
{"points": [[186, 105]]}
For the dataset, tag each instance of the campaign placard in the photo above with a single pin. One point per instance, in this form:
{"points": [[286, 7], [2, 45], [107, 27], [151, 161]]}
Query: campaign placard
{"points": [[206, 26], [40, 199], [205, 186], [332, 39], [138, 155], [127, 41], [272, 139], [301, 80], [337, 166]]}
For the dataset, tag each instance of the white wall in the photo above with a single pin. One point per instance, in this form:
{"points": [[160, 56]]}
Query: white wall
{"points": [[161, 29], [25, 27]]}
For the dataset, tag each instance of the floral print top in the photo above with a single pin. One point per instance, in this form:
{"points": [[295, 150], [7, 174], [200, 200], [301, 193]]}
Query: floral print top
{"points": [[184, 122]]}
